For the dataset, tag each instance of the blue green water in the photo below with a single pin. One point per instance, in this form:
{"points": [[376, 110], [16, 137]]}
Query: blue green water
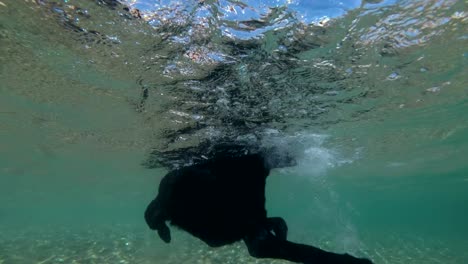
{"points": [[372, 98]]}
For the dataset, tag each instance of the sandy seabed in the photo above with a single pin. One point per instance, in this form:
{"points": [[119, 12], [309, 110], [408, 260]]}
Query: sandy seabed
{"points": [[125, 244]]}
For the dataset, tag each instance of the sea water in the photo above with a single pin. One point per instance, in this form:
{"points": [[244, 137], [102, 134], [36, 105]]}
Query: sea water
{"points": [[371, 96]]}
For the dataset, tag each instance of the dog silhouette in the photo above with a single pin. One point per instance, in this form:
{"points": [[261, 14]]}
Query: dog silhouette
{"points": [[222, 200]]}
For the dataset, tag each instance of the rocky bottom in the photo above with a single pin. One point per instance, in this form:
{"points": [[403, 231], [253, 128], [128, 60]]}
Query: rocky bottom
{"points": [[126, 244]]}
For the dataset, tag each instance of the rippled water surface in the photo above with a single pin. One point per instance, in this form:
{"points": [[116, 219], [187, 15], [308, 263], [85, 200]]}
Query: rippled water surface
{"points": [[98, 98]]}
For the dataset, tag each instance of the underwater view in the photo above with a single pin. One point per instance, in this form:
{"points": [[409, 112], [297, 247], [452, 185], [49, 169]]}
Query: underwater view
{"points": [[99, 99]]}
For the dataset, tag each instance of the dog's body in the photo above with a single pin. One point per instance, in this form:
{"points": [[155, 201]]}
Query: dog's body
{"points": [[222, 201]]}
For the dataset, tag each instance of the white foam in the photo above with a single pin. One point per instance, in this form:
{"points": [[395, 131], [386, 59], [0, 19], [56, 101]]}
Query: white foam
{"points": [[314, 158]]}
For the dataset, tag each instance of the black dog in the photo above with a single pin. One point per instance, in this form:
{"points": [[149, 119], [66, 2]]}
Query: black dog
{"points": [[222, 201]]}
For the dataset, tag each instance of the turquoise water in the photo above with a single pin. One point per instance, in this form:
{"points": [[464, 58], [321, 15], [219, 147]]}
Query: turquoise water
{"points": [[372, 99]]}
